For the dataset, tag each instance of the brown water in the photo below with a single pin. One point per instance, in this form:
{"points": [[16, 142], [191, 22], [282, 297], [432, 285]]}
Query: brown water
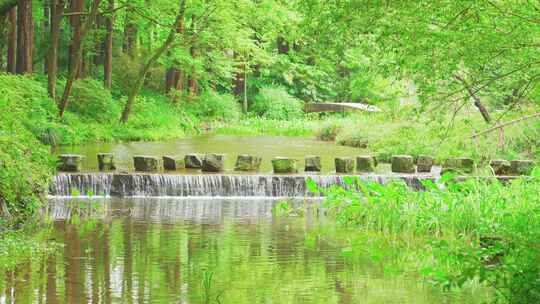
{"points": [[266, 147], [163, 250]]}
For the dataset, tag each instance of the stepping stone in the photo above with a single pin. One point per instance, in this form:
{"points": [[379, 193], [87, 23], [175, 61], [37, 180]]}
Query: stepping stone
{"points": [[106, 162], [172, 163], [500, 167], [521, 167], [285, 165], [70, 162], [403, 164], [247, 163], [458, 165], [424, 163], [344, 165], [213, 162], [366, 164], [313, 164], [193, 161], [146, 163]]}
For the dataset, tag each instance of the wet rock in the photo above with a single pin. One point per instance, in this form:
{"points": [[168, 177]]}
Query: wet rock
{"points": [[344, 165], [500, 166], [313, 164], [193, 161], [285, 165], [106, 162], [213, 162], [424, 163], [146, 163], [247, 163], [70, 163], [172, 163], [458, 165], [403, 164], [521, 167], [366, 164]]}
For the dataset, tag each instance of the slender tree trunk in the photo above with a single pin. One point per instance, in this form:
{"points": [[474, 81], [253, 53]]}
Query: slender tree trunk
{"points": [[193, 83], [12, 41], [477, 102], [47, 4], [77, 59], [76, 6], [3, 37], [107, 65], [142, 75], [57, 12], [130, 35], [25, 37], [179, 87]]}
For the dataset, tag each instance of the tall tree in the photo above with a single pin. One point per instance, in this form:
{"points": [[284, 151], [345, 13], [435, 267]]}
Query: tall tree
{"points": [[57, 12], [142, 74], [75, 19], [25, 37], [12, 41], [76, 61], [107, 65]]}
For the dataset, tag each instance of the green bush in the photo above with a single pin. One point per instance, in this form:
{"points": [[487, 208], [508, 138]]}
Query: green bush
{"points": [[276, 103], [25, 163], [90, 100], [214, 106], [329, 130]]}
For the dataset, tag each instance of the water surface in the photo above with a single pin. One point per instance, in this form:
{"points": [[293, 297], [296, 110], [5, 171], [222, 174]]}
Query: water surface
{"points": [[143, 250]]}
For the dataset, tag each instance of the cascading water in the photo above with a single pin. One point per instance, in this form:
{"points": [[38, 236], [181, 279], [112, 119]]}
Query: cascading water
{"points": [[211, 185]]}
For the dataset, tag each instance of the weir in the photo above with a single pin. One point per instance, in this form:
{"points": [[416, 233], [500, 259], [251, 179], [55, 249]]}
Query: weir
{"points": [[206, 185]]}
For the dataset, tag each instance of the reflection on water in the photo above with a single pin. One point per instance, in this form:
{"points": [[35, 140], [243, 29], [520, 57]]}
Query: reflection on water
{"points": [[160, 251], [266, 147]]}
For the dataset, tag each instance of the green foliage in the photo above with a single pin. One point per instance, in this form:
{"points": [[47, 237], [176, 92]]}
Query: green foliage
{"points": [[467, 231], [90, 101], [25, 164], [276, 103], [215, 106], [329, 130]]}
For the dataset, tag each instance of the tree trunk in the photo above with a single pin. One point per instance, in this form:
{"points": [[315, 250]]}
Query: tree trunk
{"points": [[7, 5], [76, 6], [107, 65], [57, 12], [142, 75], [477, 102], [47, 4], [3, 28], [179, 87], [12, 42], [25, 37], [77, 59], [130, 35], [170, 78]]}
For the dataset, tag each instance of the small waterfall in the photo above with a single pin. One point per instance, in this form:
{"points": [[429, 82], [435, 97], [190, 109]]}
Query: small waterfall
{"points": [[211, 185]]}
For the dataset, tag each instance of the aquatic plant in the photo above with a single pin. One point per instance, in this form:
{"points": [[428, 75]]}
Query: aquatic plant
{"points": [[460, 232]]}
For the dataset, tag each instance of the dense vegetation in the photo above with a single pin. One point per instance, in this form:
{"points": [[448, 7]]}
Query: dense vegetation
{"points": [[452, 78]]}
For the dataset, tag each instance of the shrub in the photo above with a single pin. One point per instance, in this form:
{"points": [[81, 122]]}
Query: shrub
{"points": [[329, 131], [215, 106], [276, 103], [90, 100], [25, 164]]}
